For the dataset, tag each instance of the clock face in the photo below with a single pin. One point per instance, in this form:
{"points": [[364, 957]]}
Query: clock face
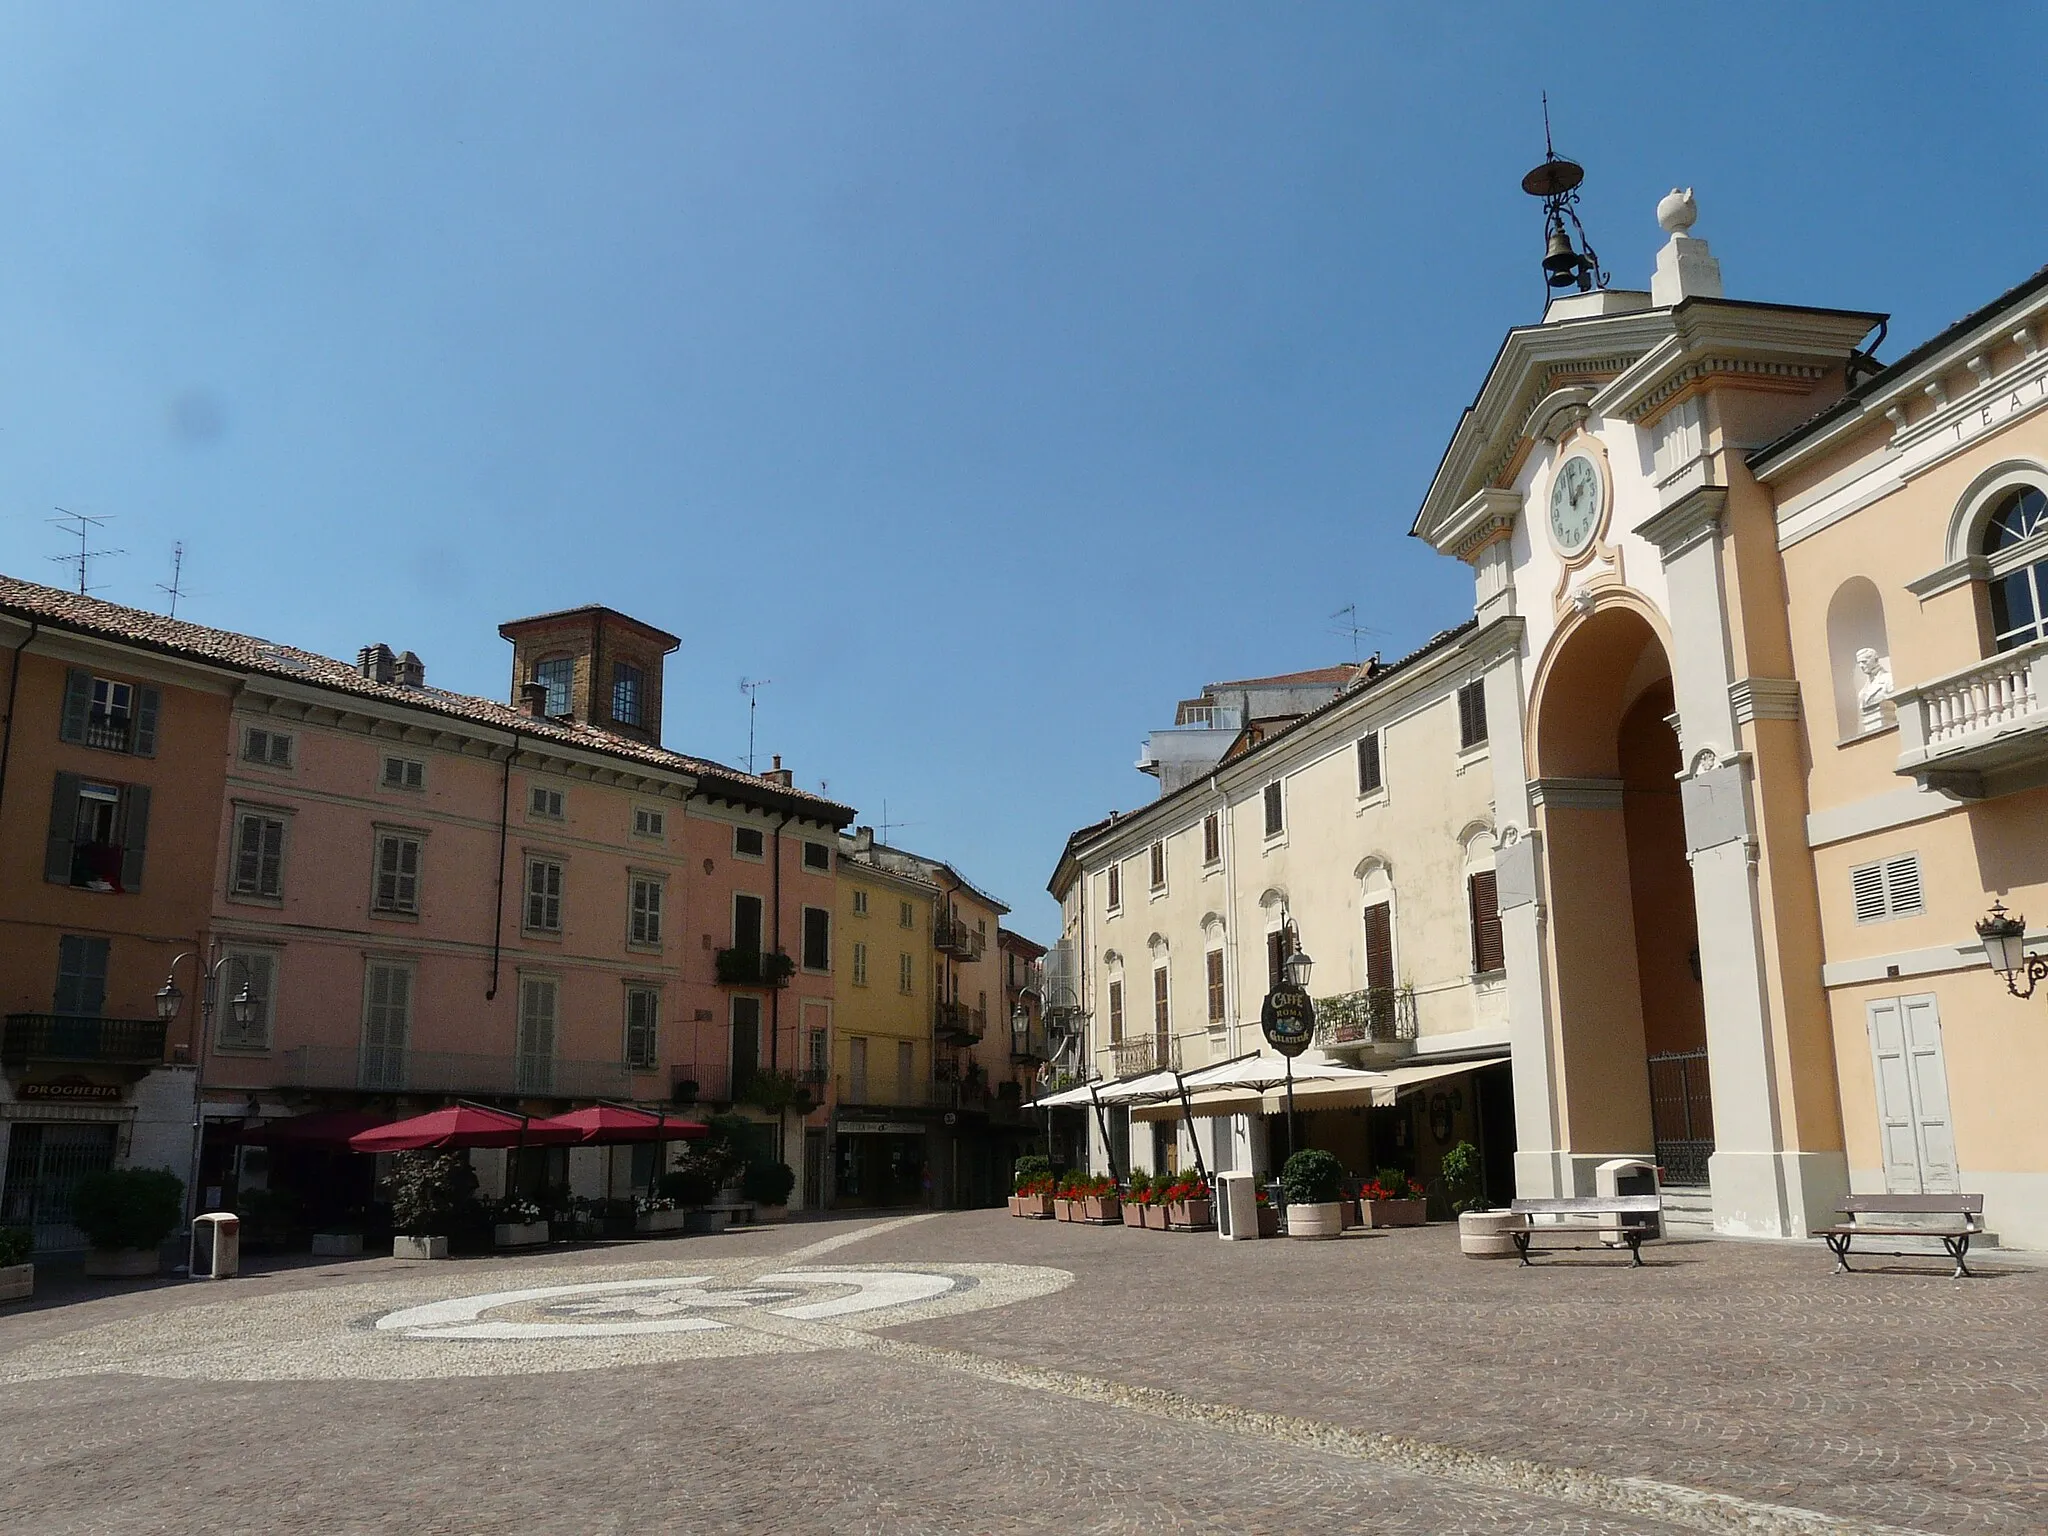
{"points": [[1575, 504]]}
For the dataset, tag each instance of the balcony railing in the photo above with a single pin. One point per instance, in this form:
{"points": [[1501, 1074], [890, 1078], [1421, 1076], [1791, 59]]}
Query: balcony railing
{"points": [[699, 1083], [953, 937], [753, 968], [114, 732], [881, 1090], [382, 1069], [1978, 721], [957, 1024], [1144, 1053], [1374, 1016], [27, 1037]]}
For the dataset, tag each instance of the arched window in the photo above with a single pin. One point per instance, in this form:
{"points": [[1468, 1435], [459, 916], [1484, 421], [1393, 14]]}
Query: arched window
{"points": [[2015, 545]]}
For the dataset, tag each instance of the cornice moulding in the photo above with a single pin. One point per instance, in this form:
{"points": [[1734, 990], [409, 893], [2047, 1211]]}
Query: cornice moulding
{"points": [[1694, 516]]}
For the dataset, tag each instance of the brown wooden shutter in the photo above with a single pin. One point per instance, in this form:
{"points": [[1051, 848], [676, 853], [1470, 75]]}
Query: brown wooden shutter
{"points": [[1379, 945], [1116, 1012], [1215, 986], [1487, 951], [57, 851]]}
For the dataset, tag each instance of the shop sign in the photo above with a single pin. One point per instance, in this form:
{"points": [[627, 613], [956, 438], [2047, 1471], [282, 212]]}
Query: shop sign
{"points": [[1288, 1019], [878, 1128], [71, 1090]]}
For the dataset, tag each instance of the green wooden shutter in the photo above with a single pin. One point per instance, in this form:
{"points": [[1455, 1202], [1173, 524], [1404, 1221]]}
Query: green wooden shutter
{"points": [[81, 976], [77, 704], [63, 823], [134, 834], [148, 703]]}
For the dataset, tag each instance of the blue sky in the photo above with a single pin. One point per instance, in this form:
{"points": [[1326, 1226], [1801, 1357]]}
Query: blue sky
{"points": [[987, 376]]}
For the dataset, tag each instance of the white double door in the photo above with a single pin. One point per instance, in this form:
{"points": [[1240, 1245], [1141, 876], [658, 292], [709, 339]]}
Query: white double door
{"points": [[1917, 1136]]}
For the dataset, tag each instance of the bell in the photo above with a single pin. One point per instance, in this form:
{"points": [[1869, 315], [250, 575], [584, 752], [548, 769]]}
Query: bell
{"points": [[1560, 261]]}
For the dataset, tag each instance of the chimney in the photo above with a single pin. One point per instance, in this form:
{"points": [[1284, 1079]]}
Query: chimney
{"points": [[533, 700], [863, 839], [410, 671], [786, 777], [377, 663]]}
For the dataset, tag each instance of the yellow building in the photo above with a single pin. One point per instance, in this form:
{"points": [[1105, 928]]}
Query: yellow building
{"points": [[881, 1091]]}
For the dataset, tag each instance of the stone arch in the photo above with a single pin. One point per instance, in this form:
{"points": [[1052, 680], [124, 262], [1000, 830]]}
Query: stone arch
{"points": [[1973, 508]]}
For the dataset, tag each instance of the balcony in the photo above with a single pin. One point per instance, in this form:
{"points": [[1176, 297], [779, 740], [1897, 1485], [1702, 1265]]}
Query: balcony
{"points": [[113, 731], [1981, 730], [30, 1037], [951, 936], [957, 1024], [699, 1083], [753, 968], [469, 1074], [1374, 1016], [1144, 1053]]}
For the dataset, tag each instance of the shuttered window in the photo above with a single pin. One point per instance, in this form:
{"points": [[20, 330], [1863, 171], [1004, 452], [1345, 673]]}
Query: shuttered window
{"points": [[1487, 951], [259, 856], [81, 975], [1116, 886], [1369, 763], [1472, 715], [255, 969], [398, 873], [1158, 856], [268, 749], [817, 939], [1215, 964], [97, 835], [113, 716], [1276, 810], [860, 964], [646, 917], [387, 1024], [1159, 1008], [906, 975], [1889, 889], [643, 1015], [543, 896], [1116, 1011], [1212, 838], [538, 997], [1379, 944], [404, 773]]}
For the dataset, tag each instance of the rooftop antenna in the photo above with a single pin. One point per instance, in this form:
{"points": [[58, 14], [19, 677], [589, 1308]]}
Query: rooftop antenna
{"points": [[177, 572], [1351, 627], [752, 687], [1556, 181], [885, 823], [86, 555]]}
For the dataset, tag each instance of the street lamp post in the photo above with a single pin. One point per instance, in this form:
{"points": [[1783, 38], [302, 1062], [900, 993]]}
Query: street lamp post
{"points": [[169, 1000], [2005, 945], [1295, 968]]}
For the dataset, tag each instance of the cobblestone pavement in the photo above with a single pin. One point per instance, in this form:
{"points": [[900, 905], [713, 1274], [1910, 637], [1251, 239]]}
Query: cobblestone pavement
{"points": [[972, 1372]]}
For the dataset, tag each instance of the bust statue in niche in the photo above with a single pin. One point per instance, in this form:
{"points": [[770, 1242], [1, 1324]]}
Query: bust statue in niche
{"points": [[1876, 689]]}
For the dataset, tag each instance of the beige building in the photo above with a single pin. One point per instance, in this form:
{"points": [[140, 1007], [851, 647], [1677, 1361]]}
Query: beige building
{"points": [[1362, 831]]}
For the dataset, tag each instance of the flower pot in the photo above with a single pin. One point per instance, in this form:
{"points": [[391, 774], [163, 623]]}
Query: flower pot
{"points": [[649, 1223], [1482, 1235], [1269, 1221], [1395, 1213], [17, 1282], [1133, 1214], [122, 1263], [1103, 1210], [1323, 1219], [704, 1221], [1063, 1208], [1016, 1205], [1349, 1214], [408, 1247], [337, 1245], [771, 1213], [1155, 1218], [1189, 1215], [519, 1234]]}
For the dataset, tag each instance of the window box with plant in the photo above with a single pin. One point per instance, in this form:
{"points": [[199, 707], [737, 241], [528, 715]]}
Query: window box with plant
{"points": [[17, 1273], [125, 1214], [1314, 1182], [1188, 1206], [1393, 1199]]}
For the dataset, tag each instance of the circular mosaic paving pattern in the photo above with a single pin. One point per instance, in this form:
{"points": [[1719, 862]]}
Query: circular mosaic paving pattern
{"points": [[554, 1319]]}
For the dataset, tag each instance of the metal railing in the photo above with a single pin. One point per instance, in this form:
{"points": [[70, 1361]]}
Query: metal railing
{"points": [[386, 1069], [26, 1037], [753, 968], [957, 938], [1144, 1053], [957, 1024], [1371, 1016], [693, 1083], [1682, 1116]]}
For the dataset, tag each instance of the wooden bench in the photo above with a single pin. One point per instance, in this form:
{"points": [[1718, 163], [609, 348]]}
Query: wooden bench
{"points": [[1956, 1222], [1608, 1213]]}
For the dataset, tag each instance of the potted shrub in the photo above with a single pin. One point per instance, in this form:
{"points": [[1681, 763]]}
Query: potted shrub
{"points": [[1312, 1179], [678, 1196], [518, 1223], [432, 1195], [1100, 1203], [17, 1274], [1392, 1199], [125, 1214], [1137, 1194], [1187, 1206], [768, 1185]]}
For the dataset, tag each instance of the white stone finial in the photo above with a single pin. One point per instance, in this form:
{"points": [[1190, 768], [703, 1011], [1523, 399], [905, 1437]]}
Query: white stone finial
{"points": [[1677, 211]]}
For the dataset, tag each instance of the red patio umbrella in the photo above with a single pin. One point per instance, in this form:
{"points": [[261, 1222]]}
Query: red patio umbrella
{"points": [[329, 1128], [603, 1125], [456, 1127]]}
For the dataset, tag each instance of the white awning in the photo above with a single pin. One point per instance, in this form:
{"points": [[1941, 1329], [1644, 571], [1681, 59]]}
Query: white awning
{"points": [[1258, 1073], [1150, 1085], [1085, 1094], [1382, 1092]]}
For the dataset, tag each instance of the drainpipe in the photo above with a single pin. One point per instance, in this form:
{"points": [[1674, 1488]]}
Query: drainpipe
{"points": [[504, 833], [13, 683]]}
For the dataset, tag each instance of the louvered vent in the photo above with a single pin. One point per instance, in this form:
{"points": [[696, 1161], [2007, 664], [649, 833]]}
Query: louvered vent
{"points": [[1868, 884], [1890, 889]]}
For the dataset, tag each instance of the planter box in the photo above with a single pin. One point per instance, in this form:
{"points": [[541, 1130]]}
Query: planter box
{"points": [[1016, 1205], [1395, 1213], [337, 1245], [519, 1234], [771, 1213], [1134, 1214], [703, 1221], [122, 1263], [1269, 1221], [17, 1282], [1103, 1210], [1324, 1219], [1480, 1235], [1035, 1207], [1351, 1214], [648, 1223], [1190, 1216], [403, 1247], [1063, 1208], [1155, 1218]]}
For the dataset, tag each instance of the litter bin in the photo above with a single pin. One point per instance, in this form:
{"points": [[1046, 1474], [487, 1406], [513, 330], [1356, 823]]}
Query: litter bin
{"points": [[1629, 1176], [1237, 1207], [216, 1246]]}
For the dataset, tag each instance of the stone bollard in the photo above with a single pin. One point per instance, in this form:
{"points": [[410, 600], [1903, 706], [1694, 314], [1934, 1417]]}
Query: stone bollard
{"points": [[1480, 1235]]}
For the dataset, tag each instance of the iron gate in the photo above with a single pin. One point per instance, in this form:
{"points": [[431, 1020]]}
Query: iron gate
{"points": [[45, 1161], [1682, 1116]]}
